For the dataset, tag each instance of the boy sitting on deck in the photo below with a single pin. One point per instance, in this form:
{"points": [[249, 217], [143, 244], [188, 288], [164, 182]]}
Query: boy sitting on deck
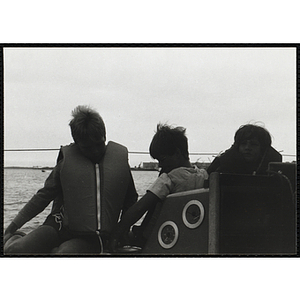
{"points": [[170, 147], [91, 203]]}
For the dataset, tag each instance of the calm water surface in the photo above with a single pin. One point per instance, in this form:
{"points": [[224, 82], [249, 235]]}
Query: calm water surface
{"points": [[21, 184]]}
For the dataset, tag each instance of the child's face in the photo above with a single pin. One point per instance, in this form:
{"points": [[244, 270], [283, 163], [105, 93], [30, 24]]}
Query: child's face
{"points": [[250, 150], [91, 150]]}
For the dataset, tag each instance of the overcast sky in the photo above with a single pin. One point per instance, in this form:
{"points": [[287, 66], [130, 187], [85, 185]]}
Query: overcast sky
{"points": [[209, 91]]}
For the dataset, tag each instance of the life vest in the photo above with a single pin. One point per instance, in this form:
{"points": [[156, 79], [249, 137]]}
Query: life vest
{"points": [[94, 193], [231, 161]]}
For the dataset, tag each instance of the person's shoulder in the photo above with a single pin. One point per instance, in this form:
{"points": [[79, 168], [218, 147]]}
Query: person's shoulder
{"points": [[115, 145], [63, 149], [182, 173], [181, 170], [202, 172], [163, 176], [273, 155], [67, 148]]}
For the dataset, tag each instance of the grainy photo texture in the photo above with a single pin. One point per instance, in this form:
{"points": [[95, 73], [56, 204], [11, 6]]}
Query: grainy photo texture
{"points": [[152, 150]]}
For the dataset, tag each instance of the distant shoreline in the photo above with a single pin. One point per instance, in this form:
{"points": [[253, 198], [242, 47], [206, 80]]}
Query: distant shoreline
{"points": [[203, 165]]}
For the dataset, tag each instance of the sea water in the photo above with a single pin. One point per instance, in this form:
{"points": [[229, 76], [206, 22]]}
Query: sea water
{"points": [[21, 184]]}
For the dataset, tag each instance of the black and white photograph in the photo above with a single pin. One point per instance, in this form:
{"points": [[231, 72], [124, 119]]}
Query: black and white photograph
{"points": [[149, 150]]}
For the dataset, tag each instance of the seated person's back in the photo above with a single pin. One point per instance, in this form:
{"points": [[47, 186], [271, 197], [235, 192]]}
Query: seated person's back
{"points": [[170, 147]]}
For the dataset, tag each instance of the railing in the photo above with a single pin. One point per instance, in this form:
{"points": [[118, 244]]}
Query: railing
{"points": [[130, 152]]}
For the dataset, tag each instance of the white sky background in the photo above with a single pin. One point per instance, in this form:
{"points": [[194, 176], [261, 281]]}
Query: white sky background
{"points": [[209, 91]]}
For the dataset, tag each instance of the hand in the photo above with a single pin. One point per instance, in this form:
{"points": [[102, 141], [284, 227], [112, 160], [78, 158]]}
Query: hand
{"points": [[6, 237], [115, 238], [9, 232]]}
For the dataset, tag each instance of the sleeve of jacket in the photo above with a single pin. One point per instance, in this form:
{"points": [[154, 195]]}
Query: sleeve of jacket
{"points": [[52, 188]]}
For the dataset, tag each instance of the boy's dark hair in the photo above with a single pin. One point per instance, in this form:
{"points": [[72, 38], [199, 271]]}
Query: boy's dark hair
{"points": [[167, 140], [250, 131], [87, 124]]}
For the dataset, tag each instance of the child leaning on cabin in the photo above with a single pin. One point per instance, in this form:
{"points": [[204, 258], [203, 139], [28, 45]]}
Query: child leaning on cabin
{"points": [[170, 147], [75, 183], [251, 153]]}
